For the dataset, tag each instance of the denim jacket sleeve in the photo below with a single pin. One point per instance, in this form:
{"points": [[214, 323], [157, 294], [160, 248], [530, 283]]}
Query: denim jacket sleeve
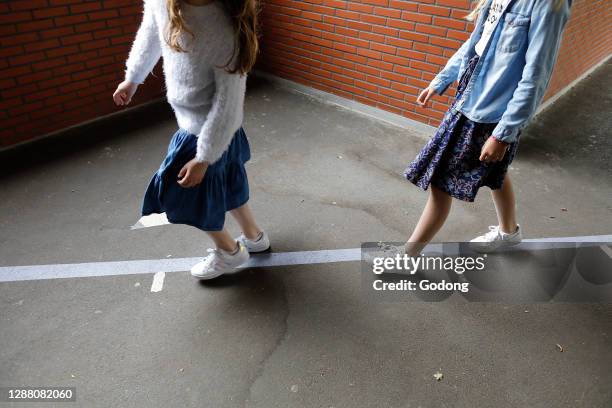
{"points": [[544, 38], [450, 71]]}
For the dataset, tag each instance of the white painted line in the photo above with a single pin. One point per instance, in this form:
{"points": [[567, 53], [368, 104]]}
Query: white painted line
{"points": [[606, 250], [158, 282], [113, 268]]}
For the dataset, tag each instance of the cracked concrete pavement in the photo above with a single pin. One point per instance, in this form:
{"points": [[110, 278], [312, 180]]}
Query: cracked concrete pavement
{"points": [[301, 336]]}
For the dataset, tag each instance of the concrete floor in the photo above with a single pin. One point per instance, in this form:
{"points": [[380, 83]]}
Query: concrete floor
{"points": [[321, 178]]}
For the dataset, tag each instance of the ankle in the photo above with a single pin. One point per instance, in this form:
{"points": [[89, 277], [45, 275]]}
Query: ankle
{"points": [[508, 229], [230, 249], [254, 235]]}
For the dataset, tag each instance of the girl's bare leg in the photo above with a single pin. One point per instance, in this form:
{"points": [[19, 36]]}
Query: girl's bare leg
{"points": [[245, 218], [432, 219], [505, 206], [223, 240]]}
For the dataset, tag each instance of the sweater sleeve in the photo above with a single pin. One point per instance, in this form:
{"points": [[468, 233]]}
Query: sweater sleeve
{"points": [[146, 49], [224, 118]]}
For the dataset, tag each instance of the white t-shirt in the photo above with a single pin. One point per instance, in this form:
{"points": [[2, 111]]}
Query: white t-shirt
{"points": [[495, 13]]}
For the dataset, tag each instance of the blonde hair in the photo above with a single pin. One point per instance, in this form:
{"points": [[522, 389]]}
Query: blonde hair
{"points": [[243, 14], [176, 26], [474, 13]]}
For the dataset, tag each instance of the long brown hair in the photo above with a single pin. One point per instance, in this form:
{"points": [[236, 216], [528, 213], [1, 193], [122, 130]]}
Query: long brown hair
{"points": [[481, 3], [244, 20]]}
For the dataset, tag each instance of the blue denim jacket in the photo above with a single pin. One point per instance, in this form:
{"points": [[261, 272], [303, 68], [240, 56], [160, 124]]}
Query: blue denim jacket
{"points": [[513, 73]]}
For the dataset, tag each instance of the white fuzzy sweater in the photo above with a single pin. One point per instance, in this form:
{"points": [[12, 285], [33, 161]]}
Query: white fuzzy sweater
{"points": [[207, 100]]}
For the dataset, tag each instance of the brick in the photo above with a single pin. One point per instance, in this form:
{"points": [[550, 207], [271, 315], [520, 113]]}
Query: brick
{"points": [[362, 8], [7, 30], [18, 39], [383, 48], [450, 23], [347, 14], [22, 108], [406, 35], [90, 26], [21, 90], [12, 18], [421, 18], [403, 5], [48, 63], [85, 7], [50, 12], [54, 82], [11, 51], [58, 52], [27, 4], [358, 43], [99, 15], [70, 20], [463, 4], [27, 58], [434, 10], [76, 38], [82, 56], [107, 33], [35, 25], [376, 2], [372, 37], [387, 12], [401, 24], [42, 45], [13, 72], [429, 29], [63, 2], [74, 86], [57, 32], [91, 45], [40, 95]]}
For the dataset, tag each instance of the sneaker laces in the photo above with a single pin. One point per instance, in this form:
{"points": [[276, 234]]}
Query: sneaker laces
{"points": [[214, 258], [494, 232]]}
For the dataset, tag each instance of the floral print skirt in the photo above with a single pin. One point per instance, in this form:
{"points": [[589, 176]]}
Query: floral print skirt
{"points": [[450, 160]]}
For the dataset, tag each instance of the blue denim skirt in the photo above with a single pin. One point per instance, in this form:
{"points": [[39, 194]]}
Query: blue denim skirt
{"points": [[224, 187], [450, 160]]}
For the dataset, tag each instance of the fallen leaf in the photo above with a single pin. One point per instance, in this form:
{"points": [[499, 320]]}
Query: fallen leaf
{"points": [[560, 348], [438, 376]]}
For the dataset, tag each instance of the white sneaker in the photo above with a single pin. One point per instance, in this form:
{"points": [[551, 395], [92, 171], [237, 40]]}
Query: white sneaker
{"points": [[219, 262], [496, 239], [262, 244]]}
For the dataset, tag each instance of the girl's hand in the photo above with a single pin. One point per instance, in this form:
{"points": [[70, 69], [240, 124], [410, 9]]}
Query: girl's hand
{"points": [[192, 173], [493, 150], [123, 94], [425, 96]]}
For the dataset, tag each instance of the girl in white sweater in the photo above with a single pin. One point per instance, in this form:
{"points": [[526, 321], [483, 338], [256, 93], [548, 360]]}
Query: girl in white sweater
{"points": [[208, 47]]}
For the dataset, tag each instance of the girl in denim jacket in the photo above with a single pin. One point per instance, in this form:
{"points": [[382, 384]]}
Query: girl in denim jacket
{"points": [[503, 70]]}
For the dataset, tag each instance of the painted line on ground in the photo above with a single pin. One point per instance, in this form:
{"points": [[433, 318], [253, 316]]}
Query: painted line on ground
{"points": [[113, 268]]}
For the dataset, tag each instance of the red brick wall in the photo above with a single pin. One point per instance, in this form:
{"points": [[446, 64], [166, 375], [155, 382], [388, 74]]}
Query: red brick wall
{"points": [[382, 52], [587, 40], [60, 61]]}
